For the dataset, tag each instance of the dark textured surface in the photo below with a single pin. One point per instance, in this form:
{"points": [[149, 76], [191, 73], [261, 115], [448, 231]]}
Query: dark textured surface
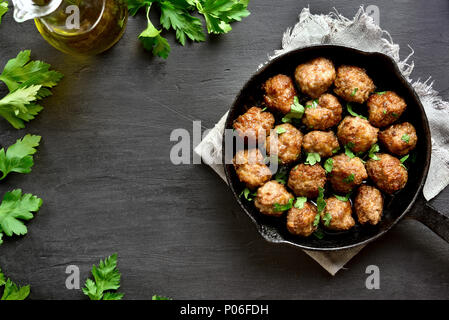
{"points": [[108, 186]]}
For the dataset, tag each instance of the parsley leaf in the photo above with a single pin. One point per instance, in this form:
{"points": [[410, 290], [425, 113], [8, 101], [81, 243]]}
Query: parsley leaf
{"points": [[349, 178], [319, 234], [156, 297], [405, 138], [18, 158], [283, 207], [372, 152], [153, 41], [341, 198], [352, 113], [316, 221], [348, 150], [328, 165], [300, 201], [12, 291], [106, 278], [327, 219], [381, 92], [354, 92], [320, 202], [282, 175], [3, 8], [313, 105], [296, 111], [312, 158], [404, 158], [248, 194], [14, 208], [281, 130]]}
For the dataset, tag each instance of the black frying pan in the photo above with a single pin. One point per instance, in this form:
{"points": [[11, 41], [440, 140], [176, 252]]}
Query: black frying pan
{"points": [[409, 202]]}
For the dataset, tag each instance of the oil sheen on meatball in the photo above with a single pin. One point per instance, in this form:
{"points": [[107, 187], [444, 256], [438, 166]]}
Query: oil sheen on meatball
{"points": [[368, 205], [250, 168], [385, 108], [315, 76], [254, 123], [322, 142], [305, 180], [322, 114], [387, 173], [270, 194], [399, 139], [346, 173], [300, 221], [279, 93], [358, 133], [284, 141], [353, 84], [341, 215]]}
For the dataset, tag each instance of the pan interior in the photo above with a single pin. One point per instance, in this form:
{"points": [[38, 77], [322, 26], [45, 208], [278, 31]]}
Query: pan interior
{"points": [[386, 76]]}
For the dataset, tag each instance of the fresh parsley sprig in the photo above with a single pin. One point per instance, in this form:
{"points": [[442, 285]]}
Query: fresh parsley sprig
{"points": [[296, 111], [3, 8], [11, 290], [313, 158]]}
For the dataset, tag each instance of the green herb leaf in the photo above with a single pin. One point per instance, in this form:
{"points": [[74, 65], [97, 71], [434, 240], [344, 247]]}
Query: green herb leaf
{"points": [[384, 111], [328, 165], [156, 297], [319, 234], [299, 203], [314, 104], [327, 219], [3, 8], [281, 175], [341, 198], [316, 221], [335, 150], [14, 208], [296, 111], [405, 138], [320, 202], [348, 150], [281, 130], [106, 278], [381, 92], [248, 194], [284, 207], [312, 158], [352, 113], [372, 152], [354, 92], [18, 158], [404, 158], [349, 178], [153, 41], [14, 292]]}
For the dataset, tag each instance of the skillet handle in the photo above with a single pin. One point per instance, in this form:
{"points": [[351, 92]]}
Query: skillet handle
{"points": [[430, 217]]}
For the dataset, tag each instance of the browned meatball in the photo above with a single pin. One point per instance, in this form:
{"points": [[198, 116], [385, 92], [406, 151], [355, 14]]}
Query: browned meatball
{"points": [[322, 114], [346, 173], [340, 213], [357, 133], [385, 108], [322, 142], [368, 205], [315, 76], [271, 194], [286, 143], [300, 221], [250, 168], [279, 93], [399, 139], [254, 123], [353, 84], [387, 173], [305, 180]]}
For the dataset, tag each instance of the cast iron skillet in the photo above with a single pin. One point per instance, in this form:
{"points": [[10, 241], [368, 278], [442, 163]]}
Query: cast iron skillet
{"points": [[409, 202]]}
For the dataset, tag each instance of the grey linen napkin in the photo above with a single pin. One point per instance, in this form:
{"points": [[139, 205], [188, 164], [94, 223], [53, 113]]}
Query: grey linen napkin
{"points": [[362, 33]]}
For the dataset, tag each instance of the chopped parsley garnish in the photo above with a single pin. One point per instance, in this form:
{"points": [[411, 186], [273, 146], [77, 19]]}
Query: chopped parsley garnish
{"points": [[282, 175], [348, 150], [349, 178], [327, 219], [296, 111], [312, 158], [384, 111], [403, 159], [264, 109], [283, 207], [372, 152], [316, 221], [299, 203], [354, 92], [405, 138], [281, 130], [343, 198], [248, 194], [381, 92], [320, 202], [328, 165], [336, 150], [319, 234], [313, 105], [352, 113]]}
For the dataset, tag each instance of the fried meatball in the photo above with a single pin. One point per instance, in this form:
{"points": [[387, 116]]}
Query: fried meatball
{"points": [[300, 221], [254, 123], [368, 205], [322, 142], [250, 168], [346, 173], [286, 143], [387, 173], [385, 108], [279, 93], [340, 212], [305, 180], [270, 194], [322, 114], [399, 139], [353, 84], [315, 76], [358, 133]]}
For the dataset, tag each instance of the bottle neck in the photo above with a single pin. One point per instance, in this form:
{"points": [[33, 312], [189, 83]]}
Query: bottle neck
{"points": [[31, 9]]}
